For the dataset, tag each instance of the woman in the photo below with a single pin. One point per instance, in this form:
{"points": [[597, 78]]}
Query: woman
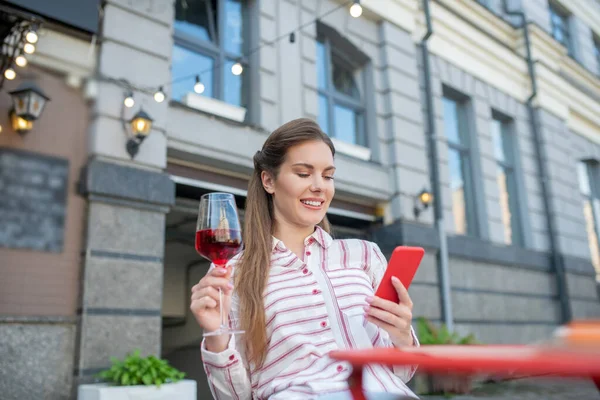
{"points": [[297, 293]]}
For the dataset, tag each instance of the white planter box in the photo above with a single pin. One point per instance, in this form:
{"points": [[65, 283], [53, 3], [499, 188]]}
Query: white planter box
{"points": [[182, 390]]}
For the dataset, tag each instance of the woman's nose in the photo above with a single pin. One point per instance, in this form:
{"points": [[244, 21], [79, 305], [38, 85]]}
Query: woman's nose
{"points": [[317, 185]]}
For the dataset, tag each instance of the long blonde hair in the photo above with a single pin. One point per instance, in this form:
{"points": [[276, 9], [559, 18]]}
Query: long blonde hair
{"points": [[252, 271]]}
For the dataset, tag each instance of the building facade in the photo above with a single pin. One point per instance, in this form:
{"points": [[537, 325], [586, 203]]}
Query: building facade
{"points": [[495, 109]]}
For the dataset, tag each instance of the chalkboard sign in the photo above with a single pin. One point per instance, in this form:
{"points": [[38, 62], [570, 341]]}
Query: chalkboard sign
{"points": [[33, 196]]}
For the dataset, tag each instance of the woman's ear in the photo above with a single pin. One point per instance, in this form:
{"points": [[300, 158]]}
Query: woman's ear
{"points": [[268, 182]]}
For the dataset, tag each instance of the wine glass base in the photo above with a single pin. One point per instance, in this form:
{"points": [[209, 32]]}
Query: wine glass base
{"points": [[220, 332]]}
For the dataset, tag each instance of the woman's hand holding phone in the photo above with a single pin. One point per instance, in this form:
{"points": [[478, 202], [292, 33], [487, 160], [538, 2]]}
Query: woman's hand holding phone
{"points": [[391, 307], [395, 318]]}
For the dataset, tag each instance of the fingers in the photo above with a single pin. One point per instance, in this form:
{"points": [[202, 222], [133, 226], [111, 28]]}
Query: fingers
{"points": [[207, 291], [203, 302], [399, 310], [402, 292], [392, 320], [214, 281], [383, 325]]}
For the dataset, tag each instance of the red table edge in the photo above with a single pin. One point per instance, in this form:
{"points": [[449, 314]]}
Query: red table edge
{"points": [[572, 366]]}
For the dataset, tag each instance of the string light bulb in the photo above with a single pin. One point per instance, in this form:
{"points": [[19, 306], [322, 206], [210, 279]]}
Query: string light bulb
{"points": [[32, 37], [129, 101], [356, 9], [199, 86], [237, 68], [29, 48], [21, 61], [292, 37], [159, 96], [10, 74]]}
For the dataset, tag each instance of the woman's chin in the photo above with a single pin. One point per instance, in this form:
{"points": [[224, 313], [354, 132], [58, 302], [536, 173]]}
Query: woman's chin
{"points": [[312, 221]]}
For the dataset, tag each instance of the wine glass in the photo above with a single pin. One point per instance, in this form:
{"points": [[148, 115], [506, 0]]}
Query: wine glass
{"points": [[219, 239]]}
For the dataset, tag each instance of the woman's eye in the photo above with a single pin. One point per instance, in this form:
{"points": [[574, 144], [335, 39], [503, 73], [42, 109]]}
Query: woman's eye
{"points": [[303, 175], [329, 178]]}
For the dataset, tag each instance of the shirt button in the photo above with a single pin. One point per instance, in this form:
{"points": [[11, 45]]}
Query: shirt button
{"points": [[305, 271], [232, 357], [324, 324], [308, 253], [315, 291], [340, 368]]}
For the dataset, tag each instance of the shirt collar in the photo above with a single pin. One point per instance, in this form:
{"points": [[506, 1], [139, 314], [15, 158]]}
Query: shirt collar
{"points": [[319, 236]]}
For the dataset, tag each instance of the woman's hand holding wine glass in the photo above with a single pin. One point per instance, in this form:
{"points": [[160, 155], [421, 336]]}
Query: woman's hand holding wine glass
{"points": [[218, 239], [205, 305]]}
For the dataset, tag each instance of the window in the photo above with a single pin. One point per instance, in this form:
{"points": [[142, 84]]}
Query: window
{"points": [[502, 140], [461, 184], [209, 38], [591, 208], [340, 83], [597, 53], [485, 3], [559, 24]]}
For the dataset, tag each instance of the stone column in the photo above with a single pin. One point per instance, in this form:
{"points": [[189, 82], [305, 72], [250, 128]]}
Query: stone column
{"points": [[122, 273]]}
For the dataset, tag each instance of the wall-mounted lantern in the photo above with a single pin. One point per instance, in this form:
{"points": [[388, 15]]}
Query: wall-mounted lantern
{"points": [[137, 128], [422, 201], [28, 104]]}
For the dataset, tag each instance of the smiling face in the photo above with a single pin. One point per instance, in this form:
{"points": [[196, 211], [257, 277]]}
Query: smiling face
{"points": [[303, 188]]}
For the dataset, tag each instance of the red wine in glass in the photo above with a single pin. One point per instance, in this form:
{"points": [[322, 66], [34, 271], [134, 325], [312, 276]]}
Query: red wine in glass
{"points": [[218, 245], [219, 239]]}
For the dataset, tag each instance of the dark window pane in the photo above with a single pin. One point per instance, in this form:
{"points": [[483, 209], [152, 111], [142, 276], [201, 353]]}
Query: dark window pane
{"points": [[321, 66], [343, 80], [345, 123], [233, 85], [457, 189], [233, 30], [188, 63], [193, 17], [451, 120], [323, 118]]}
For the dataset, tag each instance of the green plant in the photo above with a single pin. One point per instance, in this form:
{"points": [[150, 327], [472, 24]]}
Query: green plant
{"points": [[429, 334], [137, 370]]}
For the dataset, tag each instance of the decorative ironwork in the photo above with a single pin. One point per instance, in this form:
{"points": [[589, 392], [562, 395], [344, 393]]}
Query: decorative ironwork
{"points": [[14, 26]]}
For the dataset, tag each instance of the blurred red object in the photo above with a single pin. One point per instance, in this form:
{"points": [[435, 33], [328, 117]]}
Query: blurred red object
{"points": [[546, 359]]}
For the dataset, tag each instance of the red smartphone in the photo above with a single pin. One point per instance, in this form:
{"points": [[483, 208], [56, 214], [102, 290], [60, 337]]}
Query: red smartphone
{"points": [[403, 264]]}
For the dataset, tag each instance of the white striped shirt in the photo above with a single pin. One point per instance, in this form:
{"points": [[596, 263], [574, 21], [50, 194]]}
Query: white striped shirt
{"points": [[312, 306]]}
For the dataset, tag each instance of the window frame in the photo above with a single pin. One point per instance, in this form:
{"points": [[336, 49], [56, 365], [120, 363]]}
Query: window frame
{"points": [[555, 9], [217, 51], [592, 175], [466, 153], [334, 97], [510, 166]]}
